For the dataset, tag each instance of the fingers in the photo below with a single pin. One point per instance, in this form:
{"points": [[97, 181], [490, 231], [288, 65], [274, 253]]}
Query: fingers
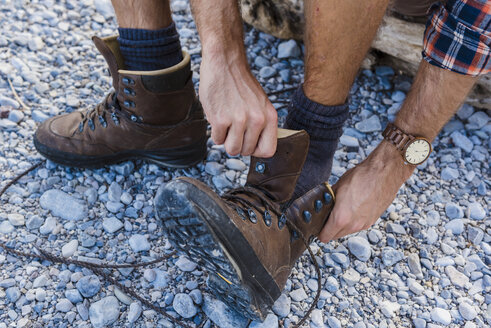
{"points": [[219, 132], [235, 137], [330, 230], [266, 146], [252, 133]]}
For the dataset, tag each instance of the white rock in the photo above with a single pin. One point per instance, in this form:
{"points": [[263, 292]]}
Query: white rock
{"points": [[69, 248], [441, 316], [105, 312]]}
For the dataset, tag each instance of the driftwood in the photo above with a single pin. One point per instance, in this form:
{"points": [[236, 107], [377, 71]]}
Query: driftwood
{"points": [[401, 40]]}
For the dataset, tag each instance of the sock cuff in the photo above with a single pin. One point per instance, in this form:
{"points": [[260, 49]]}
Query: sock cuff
{"points": [[320, 121], [139, 34]]}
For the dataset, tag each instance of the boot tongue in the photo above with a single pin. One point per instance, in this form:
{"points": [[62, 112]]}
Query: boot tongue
{"points": [[109, 49], [278, 175]]}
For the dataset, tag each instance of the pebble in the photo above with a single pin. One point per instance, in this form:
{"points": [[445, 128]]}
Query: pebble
{"points": [[62, 205], [104, 312], [433, 218], [282, 306], [73, 295], [64, 305], [184, 306], [16, 219], [139, 243], [456, 226], [449, 174], [235, 164], [114, 192], [6, 227], [477, 121], [111, 224], [441, 316], [453, 211], [214, 168], [476, 211], [360, 248], [351, 277], [134, 312], [13, 294], [414, 264], [332, 321], [69, 248], [271, 321], [391, 256], [457, 278], [467, 311], [16, 116], [389, 309], [221, 315], [298, 295], [288, 49], [395, 228], [266, 72], [371, 124], [89, 286], [462, 141], [184, 264]]}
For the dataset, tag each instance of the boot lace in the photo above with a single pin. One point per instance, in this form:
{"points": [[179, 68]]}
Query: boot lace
{"points": [[236, 199], [107, 107]]}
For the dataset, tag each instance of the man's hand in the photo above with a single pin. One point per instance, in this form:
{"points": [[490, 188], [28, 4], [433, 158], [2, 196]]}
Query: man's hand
{"points": [[364, 192], [241, 115]]}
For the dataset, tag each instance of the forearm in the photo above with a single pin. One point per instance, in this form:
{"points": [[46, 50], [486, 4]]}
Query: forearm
{"points": [[434, 98], [220, 29]]}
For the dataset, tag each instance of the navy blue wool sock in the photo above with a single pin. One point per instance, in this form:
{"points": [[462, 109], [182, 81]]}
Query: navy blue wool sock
{"points": [[324, 124], [149, 50]]}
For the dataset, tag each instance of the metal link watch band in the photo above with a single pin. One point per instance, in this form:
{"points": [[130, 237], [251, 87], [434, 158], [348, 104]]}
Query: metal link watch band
{"points": [[396, 136]]}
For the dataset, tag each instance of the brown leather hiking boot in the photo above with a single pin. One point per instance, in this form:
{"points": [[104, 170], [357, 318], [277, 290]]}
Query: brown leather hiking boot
{"points": [[250, 238], [152, 115]]}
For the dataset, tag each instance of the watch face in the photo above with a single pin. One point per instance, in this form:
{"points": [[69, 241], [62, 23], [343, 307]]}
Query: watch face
{"points": [[417, 151]]}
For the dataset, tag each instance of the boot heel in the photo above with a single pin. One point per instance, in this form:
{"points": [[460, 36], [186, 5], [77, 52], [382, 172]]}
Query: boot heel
{"points": [[180, 157]]}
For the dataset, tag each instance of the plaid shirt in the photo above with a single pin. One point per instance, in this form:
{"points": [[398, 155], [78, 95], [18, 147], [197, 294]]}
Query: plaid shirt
{"points": [[458, 36]]}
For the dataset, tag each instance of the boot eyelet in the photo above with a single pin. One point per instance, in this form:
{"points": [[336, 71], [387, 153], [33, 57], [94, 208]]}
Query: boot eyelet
{"points": [[81, 127], [327, 197], [307, 216], [252, 216], [91, 125], [129, 92], [267, 218], [115, 118], [241, 213], [318, 205], [260, 167], [281, 221], [294, 236], [129, 103], [134, 118], [128, 81]]}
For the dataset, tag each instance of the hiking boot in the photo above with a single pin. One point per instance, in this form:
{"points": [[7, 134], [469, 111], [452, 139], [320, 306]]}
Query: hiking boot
{"points": [[151, 115], [250, 238]]}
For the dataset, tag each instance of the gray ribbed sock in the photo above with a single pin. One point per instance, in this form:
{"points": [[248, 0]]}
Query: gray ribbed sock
{"points": [[324, 124]]}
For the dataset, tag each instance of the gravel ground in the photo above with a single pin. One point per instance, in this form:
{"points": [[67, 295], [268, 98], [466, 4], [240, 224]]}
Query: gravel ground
{"points": [[425, 263]]}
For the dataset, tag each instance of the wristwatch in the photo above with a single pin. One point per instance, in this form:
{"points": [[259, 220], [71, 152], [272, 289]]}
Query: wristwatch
{"points": [[414, 150]]}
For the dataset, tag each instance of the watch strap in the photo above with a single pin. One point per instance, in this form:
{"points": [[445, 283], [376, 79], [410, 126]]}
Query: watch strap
{"points": [[396, 136]]}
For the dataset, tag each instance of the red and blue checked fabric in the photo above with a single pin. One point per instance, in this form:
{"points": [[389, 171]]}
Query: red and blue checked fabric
{"points": [[458, 36]]}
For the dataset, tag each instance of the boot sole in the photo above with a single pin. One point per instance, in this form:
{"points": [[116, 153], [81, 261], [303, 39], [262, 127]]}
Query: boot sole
{"points": [[197, 226], [181, 157]]}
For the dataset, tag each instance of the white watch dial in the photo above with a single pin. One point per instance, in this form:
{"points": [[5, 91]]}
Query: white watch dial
{"points": [[417, 151]]}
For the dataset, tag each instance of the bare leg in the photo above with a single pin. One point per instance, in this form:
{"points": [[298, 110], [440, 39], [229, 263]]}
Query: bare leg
{"points": [[337, 37], [148, 14]]}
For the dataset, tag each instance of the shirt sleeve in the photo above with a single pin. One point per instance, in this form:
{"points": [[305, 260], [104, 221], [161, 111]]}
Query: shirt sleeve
{"points": [[458, 36]]}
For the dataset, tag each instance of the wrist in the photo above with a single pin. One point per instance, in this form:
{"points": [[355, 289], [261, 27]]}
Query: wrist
{"points": [[224, 53], [390, 158]]}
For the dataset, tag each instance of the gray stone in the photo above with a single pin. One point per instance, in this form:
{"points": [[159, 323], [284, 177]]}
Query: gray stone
{"points": [[149, 275], [184, 306], [457, 278], [266, 72], [48, 226], [415, 265], [288, 49], [104, 8], [214, 168], [64, 305], [389, 308], [16, 116], [398, 96], [351, 277], [111, 224], [349, 141], [433, 218], [298, 295], [186, 265], [196, 296], [282, 306], [74, 296], [235, 164], [114, 207], [419, 323], [114, 192], [139, 243], [332, 284], [441, 316], [462, 141], [134, 312], [125, 169], [391, 256], [456, 226], [8, 102], [105, 312], [16, 219], [69, 248], [6, 227], [453, 211], [465, 111], [221, 315], [395, 228], [62, 205], [34, 222], [13, 294], [333, 322], [360, 248], [271, 321], [89, 286], [475, 235], [476, 211], [477, 120], [371, 124], [449, 174], [467, 311]]}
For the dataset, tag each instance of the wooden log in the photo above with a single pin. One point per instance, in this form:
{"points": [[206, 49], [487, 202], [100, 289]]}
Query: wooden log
{"points": [[400, 39]]}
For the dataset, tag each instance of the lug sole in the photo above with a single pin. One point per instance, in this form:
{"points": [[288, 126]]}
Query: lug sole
{"points": [[193, 221], [181, 157]]}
